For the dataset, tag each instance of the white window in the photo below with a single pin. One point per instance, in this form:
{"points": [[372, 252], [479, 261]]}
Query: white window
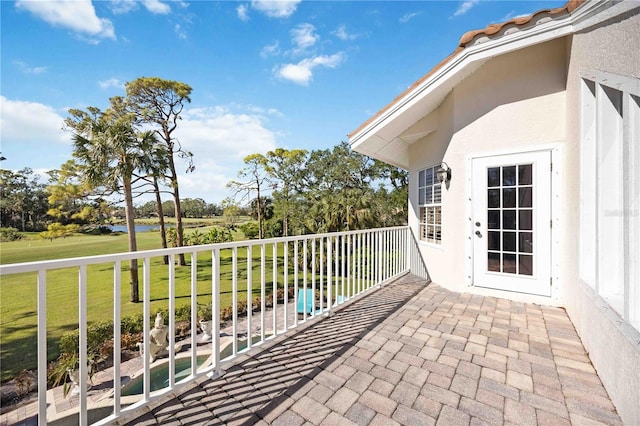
{"points": [[610, 190], [430, 202]]}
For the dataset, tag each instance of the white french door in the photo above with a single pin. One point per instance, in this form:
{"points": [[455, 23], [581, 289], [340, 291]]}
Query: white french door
{"points": [[512, 222]]}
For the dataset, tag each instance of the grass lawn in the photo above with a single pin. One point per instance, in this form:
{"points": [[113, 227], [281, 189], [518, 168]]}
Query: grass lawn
{"points": [[18, 292]]}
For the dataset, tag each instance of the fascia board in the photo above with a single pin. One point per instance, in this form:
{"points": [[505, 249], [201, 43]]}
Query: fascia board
{"points": [[595, 15]]}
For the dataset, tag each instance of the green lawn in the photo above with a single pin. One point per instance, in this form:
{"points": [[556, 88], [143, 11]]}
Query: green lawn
{"points": [[18, 292]]}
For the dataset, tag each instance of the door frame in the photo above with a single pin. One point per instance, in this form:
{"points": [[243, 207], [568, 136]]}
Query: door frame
{"points": [[557, 157]]}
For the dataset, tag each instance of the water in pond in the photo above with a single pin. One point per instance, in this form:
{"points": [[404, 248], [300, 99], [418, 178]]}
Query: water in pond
{"points": [[139, 228]]}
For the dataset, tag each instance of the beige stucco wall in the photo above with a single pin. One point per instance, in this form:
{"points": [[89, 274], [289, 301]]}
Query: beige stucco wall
{"points": [[514, 102], [611, 46]]}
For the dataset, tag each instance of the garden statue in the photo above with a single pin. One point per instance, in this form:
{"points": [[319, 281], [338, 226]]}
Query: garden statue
{"points": [[158, 339]]}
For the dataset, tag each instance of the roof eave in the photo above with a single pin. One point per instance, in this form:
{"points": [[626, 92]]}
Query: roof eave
{"points": [[453, 69]]}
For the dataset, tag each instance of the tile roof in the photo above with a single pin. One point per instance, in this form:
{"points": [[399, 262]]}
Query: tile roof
{"points": [[475, 36]]}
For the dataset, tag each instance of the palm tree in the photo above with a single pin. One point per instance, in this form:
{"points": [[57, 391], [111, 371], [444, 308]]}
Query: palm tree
{"points": [[109, 152]]}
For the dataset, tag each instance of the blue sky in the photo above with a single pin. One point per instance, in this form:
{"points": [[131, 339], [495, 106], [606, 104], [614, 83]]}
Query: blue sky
{"points": [[264, 74]]}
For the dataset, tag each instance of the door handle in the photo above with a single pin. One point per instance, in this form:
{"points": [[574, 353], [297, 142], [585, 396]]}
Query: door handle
{"points": [[478, 233]]}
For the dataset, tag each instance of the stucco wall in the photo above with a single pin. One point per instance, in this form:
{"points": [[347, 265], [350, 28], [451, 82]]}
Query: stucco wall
{"points": [[514, 102], [611, 46]]}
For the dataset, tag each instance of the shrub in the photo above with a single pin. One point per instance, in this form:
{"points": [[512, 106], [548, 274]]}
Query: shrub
{"points": [[9, 234]]}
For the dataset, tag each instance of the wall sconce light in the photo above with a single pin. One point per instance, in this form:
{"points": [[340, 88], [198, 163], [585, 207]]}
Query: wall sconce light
{"points": [[444, 173]]}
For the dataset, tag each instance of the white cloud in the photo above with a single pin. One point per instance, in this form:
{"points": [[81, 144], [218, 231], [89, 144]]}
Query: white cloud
{"points": [[153, 6], [123, 6], [243, 12], [343, 34], [25, 68], [223, 134], [112, 82], [156, 7], [409, 16], [270, 50], [77, 15], [302, 72], [276, 9], [220, 137], [465, 6], [303, 36], [34, 122], [182, 34]]}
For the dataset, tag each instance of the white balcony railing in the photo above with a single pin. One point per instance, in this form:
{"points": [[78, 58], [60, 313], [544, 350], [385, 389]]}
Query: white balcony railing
{"points": [[335, 267]]}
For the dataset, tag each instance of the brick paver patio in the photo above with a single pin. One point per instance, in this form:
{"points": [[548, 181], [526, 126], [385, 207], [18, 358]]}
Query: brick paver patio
{"points": [[411, 354]]}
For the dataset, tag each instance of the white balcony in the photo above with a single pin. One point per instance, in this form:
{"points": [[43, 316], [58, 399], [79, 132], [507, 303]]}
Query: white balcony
{"points": [[382, 344], [333, 269]]}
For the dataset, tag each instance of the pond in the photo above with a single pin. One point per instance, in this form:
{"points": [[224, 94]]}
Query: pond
{"points": [[139, 228]]}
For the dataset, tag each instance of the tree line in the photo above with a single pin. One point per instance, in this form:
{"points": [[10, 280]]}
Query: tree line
{"points": [[296, 192], [129, 150]]}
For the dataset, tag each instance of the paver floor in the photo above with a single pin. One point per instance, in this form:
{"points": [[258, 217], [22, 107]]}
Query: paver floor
{"points": [[411, 354]]}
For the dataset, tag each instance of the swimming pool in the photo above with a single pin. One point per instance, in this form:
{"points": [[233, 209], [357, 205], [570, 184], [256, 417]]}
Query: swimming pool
{"points": [[159, 377]]}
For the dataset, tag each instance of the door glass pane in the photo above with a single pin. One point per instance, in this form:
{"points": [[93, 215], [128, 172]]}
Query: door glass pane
{"points": [[509, 241], [509, 219], [525, 243], [525, 264], [428, 195], [493, 262], [509, 263], [524, 174], [524, 196], [509, 176], [493, 219], [493, 198], [509, 197], [493, 177], [493, 240], [525, 221]]}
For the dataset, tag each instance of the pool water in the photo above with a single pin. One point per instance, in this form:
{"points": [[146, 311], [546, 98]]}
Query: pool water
{"points": [[160, 376]]}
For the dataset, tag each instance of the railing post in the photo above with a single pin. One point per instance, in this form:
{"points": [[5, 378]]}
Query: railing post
{"points": [[146, 309], [295, 282], [408, 247], [42, 346], [275, 289], [82, 339], [286, 286], [342, 265], [215, 300], [172, 319], [321, 274], [234, 300], [304, 279], [313, 274], [263, 291], [249, 294], [379, 257], [194, 313], [337, 271], [329, 276], [350, 268], [116, 338]]}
